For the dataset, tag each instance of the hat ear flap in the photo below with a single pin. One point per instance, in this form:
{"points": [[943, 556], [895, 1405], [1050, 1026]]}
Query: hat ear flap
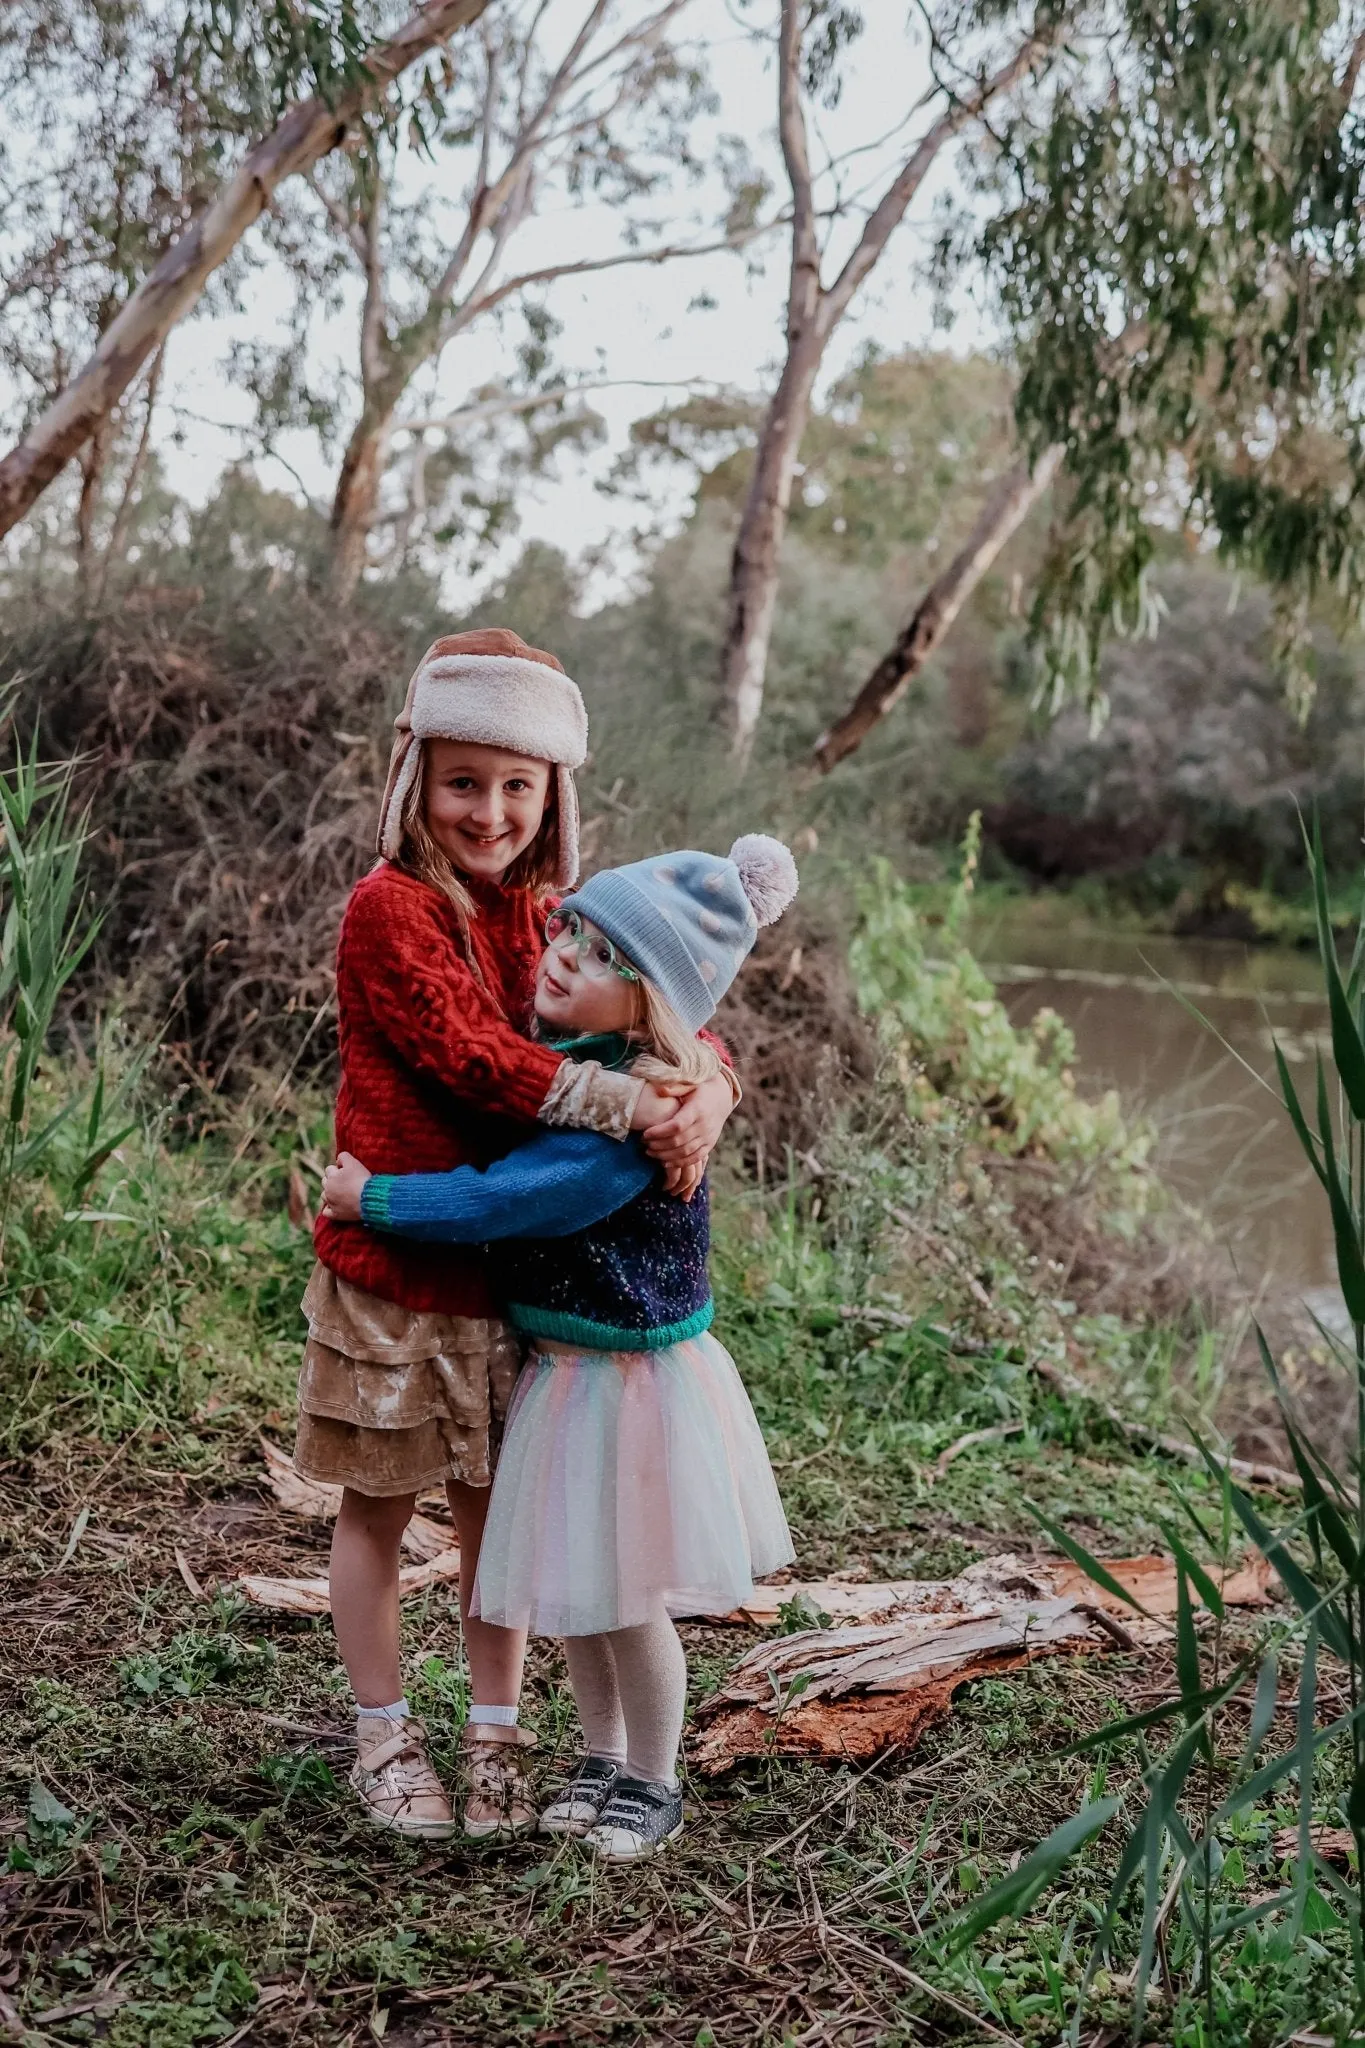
{"points": [[568, 829], [407, 755]]}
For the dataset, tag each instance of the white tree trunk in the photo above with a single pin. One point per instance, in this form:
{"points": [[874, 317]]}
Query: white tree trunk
{"points": [[756, 565], [307, 132]]}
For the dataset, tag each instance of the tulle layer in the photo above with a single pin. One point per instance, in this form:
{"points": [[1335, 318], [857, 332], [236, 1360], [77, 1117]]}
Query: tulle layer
{"points": [[626, 1477]]}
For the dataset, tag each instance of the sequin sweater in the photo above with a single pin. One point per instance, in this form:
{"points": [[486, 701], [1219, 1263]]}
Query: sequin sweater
{"points": [[584, 1244]]}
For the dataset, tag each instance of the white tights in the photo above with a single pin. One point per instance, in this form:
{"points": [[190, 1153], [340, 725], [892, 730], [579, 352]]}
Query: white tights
{"points": [[630, 1688]]}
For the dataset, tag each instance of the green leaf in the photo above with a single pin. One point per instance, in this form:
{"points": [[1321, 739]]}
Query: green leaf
{"points": [[46, 1809], [1317, 1916]]}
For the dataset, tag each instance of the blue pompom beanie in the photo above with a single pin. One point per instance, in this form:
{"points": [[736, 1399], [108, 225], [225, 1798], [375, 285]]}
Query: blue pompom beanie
{"points": [[689, 920]]}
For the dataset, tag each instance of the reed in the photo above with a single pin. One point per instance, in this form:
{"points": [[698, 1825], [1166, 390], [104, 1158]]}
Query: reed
{"points": [[47, 927], [1189, 1797]]}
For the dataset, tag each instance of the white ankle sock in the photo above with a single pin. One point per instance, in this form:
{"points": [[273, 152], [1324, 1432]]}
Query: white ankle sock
{"points": [[492, 1717], [397, 1712]]}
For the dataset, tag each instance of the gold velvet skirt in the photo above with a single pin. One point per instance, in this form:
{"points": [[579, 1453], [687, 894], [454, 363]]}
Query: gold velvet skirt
{"points": [[393, 1400]]}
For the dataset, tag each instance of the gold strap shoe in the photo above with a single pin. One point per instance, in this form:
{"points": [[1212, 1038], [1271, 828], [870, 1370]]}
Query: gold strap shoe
{"points": [[397, 1782], [498, 1799]]}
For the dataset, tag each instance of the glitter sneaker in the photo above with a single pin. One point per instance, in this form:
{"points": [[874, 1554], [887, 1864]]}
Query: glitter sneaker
{"points": [[576, 1808], [397, 1783], [641, 1818]]}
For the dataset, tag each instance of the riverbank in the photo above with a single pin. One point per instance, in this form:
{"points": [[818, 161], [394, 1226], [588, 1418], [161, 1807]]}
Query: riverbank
{"points": [[958, 1309], [185, 1863]]}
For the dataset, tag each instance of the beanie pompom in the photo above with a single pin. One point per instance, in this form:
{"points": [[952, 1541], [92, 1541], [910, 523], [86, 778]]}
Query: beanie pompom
{"points": [[767, 874]]}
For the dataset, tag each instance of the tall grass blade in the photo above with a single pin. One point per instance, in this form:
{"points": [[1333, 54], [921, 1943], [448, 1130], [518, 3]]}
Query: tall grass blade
{"points": [[1091, 1566], [1187, 1662], [1345, 1229], [1189, 1565], [1013, 1894], [1312, 1602], [1262, 1710], [1296, 1116], [1304, 1759], [1348, 1052]]}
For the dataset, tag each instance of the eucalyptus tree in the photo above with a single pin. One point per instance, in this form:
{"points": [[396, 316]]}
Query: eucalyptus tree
{"points": [[565, 101], [321, 79], [976, 67], [104, 159], [1173, 237]]}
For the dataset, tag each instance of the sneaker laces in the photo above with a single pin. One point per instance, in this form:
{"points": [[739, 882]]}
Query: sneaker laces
{"points": [[401, 1764], [632, 1810]]}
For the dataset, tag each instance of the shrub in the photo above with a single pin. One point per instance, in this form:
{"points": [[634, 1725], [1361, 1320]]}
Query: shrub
{"points": [[949, 1038]]}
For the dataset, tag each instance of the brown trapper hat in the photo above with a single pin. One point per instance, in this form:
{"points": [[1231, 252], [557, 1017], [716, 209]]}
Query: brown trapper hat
{"points": [[492, 688]]}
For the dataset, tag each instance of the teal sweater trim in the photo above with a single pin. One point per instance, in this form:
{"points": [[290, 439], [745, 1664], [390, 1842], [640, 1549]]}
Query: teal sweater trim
{"points": [[569, 1329]]}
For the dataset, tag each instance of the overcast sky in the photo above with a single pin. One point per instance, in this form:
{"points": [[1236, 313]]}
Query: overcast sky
{"points": [[634, 323]]}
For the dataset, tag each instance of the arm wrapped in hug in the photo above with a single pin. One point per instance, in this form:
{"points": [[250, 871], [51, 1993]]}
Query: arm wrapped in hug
{"points": [[556, 1185]]}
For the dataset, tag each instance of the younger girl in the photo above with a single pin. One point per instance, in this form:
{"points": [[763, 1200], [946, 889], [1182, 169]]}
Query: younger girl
{"points": [[410, 1363], [633, 1483]]}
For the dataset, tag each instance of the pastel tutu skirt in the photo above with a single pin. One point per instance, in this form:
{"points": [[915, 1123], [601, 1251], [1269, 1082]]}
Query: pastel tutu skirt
{"points": [[627, 1478]]}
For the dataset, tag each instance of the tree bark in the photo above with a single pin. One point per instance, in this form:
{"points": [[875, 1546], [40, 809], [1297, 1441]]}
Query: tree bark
{"points": [[307, 132], [755, 566], [356, 502], [1008, 504]]}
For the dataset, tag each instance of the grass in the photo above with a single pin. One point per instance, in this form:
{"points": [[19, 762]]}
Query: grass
{"points": [[184, 1862]]}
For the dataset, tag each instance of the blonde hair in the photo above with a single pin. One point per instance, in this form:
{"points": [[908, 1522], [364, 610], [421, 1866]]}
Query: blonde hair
{"points": [[670, 1051], [419, 855]]}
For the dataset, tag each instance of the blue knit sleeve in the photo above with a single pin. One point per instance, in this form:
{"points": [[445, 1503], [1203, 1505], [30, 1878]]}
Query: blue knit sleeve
{"points": [[560, 1182]]}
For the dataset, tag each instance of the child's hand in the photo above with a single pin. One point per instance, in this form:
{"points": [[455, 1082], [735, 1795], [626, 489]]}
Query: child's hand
{"points": [[683, 1142], [341, 1189]]}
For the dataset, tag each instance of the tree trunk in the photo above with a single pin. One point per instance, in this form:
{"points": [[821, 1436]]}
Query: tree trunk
{"points": [[1013, 497], [94, 456], [755, 566], [307, 132], [356, 502]]}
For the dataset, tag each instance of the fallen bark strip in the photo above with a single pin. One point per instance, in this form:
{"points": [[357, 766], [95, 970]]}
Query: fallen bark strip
{"points": [[430, 1542], [307, 133], [316, 1502], [310, 1596], [857, 1692], [981, 1587]]}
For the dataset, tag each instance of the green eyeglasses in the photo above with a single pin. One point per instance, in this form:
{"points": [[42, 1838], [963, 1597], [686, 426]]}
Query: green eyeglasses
{"points": [[566, 931]]}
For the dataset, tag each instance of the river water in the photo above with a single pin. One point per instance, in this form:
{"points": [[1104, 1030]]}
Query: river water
{"points": [[1224, 1141]]}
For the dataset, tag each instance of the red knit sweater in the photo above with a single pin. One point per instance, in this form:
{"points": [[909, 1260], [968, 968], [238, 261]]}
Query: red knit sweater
{"points": [[432, 1076]]}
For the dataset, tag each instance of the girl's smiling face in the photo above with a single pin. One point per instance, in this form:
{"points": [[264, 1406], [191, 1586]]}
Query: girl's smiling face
{"points": [[483, 806], [578, 993]]}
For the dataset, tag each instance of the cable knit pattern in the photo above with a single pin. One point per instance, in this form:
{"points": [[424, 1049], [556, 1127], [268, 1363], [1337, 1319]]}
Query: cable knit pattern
{"points": [[432, 1076]]}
